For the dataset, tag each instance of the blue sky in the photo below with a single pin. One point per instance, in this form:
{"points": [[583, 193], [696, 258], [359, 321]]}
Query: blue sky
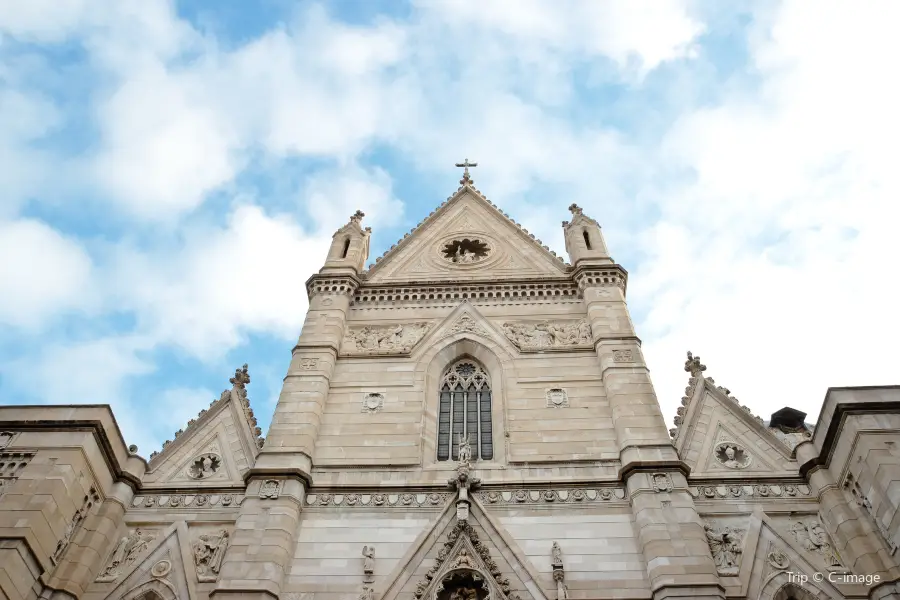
{"points": [[171, 173]]}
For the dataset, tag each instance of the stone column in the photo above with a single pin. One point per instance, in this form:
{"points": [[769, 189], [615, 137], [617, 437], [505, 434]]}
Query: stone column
{"points": [[670, 531], [262, 547]]}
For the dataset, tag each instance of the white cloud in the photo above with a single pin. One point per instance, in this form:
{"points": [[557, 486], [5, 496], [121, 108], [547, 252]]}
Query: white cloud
{"points": [[42, 274]]}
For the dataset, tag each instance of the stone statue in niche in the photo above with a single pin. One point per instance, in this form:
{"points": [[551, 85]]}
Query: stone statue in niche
{"points": [[725, 545], [209, 550], [556, 553], [125, 553], [548, 334], [393, 338], [732, 456], [204, 466], [813, 538]]}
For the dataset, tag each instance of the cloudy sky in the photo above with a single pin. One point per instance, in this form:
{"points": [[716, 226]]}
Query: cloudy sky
{"points": [[171, 173]]}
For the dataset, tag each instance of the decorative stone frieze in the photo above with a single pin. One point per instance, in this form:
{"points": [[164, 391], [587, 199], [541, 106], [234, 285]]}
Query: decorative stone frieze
{"points": [[813, 538], [557, 398], [129, 548], [372, 402], [209, 550], [563, 496], [744, 490], [270, 489], [337, 286], [189, 500], [91, 499], [726, 545], [391, 339], [610, 277], [732, 455], [548, 335], [547, 292], [364, 500]]}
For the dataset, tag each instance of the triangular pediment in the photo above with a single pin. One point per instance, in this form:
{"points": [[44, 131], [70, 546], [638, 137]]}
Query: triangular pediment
{"points": [[215, 449], [500, 248], [704, 442], [465, 320], [476, 548], [160, 565]]}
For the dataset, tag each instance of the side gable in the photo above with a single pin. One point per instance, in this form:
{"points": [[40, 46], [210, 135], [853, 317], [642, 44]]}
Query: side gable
{"points": [[512, 251], [717, 437], [216, 448]]}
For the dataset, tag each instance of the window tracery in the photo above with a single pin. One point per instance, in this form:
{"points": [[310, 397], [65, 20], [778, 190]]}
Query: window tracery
{"points": [[465, 411]]}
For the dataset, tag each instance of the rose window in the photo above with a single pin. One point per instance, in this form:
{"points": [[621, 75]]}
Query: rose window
{"points": [[465, 251]]}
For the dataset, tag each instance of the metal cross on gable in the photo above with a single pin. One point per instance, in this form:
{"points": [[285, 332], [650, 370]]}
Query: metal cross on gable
{"points": [[465, 178]]}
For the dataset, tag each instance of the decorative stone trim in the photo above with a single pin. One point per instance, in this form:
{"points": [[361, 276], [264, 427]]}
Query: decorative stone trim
{"points": [[6, 438], [557, 398], [11, 465], [610, 277], [565, 496], [331, 287], [380, 500], [450, 294], [191, 500], [372, 402], [743, 490]]}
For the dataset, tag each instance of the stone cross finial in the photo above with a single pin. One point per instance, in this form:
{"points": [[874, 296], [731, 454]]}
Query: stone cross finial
{"points": [[357, 216], [465, 178], [693, 365], [241, 377], [575, 209]]}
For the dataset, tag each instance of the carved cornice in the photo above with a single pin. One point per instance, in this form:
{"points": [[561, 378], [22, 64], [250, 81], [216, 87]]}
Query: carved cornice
{"points": [[379, 499], [437, 293], [331, 285], [192, 500], [493, 497], [588, 276], [749, 489]]}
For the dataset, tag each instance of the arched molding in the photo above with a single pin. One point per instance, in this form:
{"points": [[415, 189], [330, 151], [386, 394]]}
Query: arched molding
{"points": [[155, 589], [430, 366], [780, 587]]}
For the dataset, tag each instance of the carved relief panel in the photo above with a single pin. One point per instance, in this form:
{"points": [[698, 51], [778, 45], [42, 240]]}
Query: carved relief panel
{"points": [[391, 339], [548, 335]]}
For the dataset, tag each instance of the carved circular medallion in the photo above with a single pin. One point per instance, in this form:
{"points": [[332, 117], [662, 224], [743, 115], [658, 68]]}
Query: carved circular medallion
{"points": [[161, 569], [204, 466], [732, 455], [465, 251]]}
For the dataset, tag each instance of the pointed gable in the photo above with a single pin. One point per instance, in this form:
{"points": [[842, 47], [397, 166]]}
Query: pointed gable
{"points": [[467, 237], [216, 448]]}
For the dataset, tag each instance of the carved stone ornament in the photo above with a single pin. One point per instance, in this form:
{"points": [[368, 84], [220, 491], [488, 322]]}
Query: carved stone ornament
{"points": [[372, 402], [623, 356], [467, 324], [548, 335], [777, 559], [125, 553], [204, 466], [209, 550], [368, 553], [732, 455], [661, 482], [812, 537], [308, 364], [270, 488], [384, 340], [6, 438], [367, 593], [557, 398], [90, 500], [465, 251], [161, 569], [726, 546]]}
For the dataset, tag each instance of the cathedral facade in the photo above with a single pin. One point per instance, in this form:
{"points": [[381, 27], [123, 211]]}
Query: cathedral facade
{"points": [[469, 418]]}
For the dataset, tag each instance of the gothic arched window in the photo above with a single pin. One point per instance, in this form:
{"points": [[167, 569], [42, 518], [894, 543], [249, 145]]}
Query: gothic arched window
{"points": [[465, 410]]}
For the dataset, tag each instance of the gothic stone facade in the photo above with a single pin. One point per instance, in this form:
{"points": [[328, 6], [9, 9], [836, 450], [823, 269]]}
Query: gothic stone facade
{"points": [[469, 418]]}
